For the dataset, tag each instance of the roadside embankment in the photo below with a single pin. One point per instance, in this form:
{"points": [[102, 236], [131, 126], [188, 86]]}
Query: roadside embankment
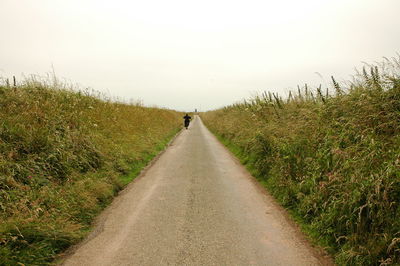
{"points": [[331, 158], [63, 156]]}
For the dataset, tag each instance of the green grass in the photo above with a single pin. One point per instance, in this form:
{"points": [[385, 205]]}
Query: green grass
{"points": [[63, 156], [248, 162], [331, 157], [138, 166]]}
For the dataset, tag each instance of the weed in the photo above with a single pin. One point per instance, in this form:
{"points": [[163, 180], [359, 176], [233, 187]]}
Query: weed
{"points": [[332, 159], [63, 156]]}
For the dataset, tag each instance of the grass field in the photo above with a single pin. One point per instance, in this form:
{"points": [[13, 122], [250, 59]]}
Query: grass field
{"points": [[332, 157], [63, 156]]}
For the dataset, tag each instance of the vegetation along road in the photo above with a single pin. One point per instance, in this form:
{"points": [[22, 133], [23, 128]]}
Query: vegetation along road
{"points": [[196, 205]]}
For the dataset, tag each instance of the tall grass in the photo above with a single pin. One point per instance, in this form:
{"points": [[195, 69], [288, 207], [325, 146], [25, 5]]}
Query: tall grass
{"points": [[332, 157], [63, 156]]}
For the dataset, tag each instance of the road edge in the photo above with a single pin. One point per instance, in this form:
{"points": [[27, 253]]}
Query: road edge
{"points": [[97, 226], [319, 252]]}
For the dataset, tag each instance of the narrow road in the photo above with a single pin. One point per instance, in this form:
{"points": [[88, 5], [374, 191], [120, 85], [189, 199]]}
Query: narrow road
{"points": [[196, 205]]}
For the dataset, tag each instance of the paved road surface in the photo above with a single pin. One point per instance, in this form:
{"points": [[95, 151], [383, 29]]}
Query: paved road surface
{"points": [[195, 206]]}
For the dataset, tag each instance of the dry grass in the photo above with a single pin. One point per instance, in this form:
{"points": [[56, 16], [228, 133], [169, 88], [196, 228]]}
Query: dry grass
{"points": [[332, 159], [63, 156]]}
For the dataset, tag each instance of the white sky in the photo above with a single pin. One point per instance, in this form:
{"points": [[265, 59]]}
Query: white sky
{"points": [[186, 54]]}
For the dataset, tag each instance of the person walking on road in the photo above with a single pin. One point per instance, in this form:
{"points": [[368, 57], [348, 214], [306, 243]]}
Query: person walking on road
{"points": [[187, 120]]}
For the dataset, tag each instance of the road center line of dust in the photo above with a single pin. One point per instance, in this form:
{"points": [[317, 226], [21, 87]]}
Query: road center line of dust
{"points": [[115, 244], [196, 206]]}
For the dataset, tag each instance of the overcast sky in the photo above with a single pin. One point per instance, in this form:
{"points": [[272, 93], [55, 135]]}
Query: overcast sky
{"points": [[185, 54]]}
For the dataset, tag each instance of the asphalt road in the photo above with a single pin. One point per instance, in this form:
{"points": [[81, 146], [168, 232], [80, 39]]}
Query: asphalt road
{"points": [[196, 205]]}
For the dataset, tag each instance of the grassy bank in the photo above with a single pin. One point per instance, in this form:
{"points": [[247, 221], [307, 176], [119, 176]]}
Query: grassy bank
{"points": [[331, 157], [63, 156]]}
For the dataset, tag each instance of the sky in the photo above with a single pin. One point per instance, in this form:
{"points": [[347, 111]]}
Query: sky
{"points": [[184, 54]]}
